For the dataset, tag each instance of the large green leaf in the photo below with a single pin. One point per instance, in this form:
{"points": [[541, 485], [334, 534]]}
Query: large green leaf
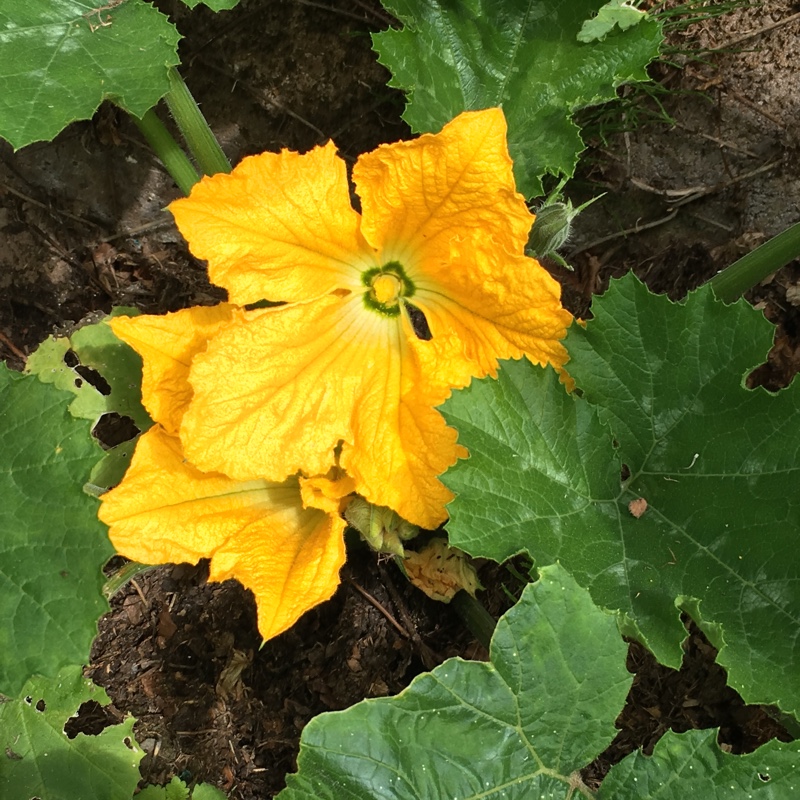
{"points": [[517, 727], [52, 546], [717, 465], [692, 765], [41, 761], [59, 59], [523, 55]]}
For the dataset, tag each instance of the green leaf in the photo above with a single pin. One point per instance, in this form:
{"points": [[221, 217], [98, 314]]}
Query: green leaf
{"points": [[176, 789], [97, 348], [517, 727], [52, 545], [205, 791], [214, 5], [59, 59], [692, 765], [523, 55], [717, 465], [615, 12], [40, 761]]}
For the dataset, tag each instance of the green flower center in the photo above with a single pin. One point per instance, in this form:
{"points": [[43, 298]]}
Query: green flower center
{"points": [[386, 287]]}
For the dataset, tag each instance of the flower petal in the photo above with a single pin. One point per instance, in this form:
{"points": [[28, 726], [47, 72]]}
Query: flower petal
{"points": [[167, 345], [337, 373], [417, 195], [446, 207], [166, 511], [499, 306], [279, 227]]}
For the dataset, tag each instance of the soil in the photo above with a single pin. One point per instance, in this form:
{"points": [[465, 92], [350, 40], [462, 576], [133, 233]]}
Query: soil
{"points": [[82, 229]]}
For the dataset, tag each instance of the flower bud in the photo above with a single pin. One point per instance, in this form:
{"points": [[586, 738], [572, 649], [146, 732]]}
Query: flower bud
{"points": [[380, 527], [551, 228]]}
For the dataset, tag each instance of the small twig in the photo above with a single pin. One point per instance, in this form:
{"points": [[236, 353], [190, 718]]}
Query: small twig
{"points": [[136, 231], [12, 347], [427, 655], [386, 613], [750, 34], [265, 100], [715, 223], [692, 193], [751, 105], [720, 142], [638, 228], [6, 188], [140, 593], [324, 7]]}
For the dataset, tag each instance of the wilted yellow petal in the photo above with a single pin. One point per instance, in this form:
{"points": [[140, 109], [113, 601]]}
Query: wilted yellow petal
{"points": [[166, 511], [441, 571], [279, 227], [167, 345]]}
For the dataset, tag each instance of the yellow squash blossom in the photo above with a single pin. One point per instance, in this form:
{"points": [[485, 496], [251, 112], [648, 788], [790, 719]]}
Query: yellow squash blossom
{"points": [[385, 310], [282, 540]]}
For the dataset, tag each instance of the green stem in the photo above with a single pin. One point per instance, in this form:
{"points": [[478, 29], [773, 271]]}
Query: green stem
{"points": [[126, 573], [168, 150], [201, 141], [480, 622], [750, 270]]}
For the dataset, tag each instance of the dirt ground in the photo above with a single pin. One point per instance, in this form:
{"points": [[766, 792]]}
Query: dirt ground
{"points": [[82, 228]]}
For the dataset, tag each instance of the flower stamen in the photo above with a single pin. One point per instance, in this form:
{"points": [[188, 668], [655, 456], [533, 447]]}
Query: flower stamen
{"points": [[387, 285], [386, 289]]}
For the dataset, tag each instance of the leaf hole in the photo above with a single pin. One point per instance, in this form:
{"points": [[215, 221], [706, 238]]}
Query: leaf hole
{"points": [[90, 719], [40, 706], [763, 778], [113, 429], [94, 378]]}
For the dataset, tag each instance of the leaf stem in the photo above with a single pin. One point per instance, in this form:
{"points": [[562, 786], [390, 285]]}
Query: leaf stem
{"points": [[168, 150], [748, 271], [198, 135], [480, 622]]}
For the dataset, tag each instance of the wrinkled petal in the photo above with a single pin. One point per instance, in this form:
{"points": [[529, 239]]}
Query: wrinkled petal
{"points": [[417, 195], [496, 313], [279, 227], [445, 206], [167, 511], [167, 345], [335, 374]]}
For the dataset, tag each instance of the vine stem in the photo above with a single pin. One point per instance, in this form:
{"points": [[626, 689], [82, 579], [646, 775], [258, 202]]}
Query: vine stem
{"points": [[168, 150], [733, 281], [479, 621], [199, 138]]}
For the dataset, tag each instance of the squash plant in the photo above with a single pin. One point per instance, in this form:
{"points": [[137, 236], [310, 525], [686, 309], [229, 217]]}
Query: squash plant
{"points": [[636, 470]]}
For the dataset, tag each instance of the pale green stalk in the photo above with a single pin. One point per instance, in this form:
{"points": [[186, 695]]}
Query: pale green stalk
{"points": [[168, 150], [733, 281], [479, 621], [199, 138]]}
